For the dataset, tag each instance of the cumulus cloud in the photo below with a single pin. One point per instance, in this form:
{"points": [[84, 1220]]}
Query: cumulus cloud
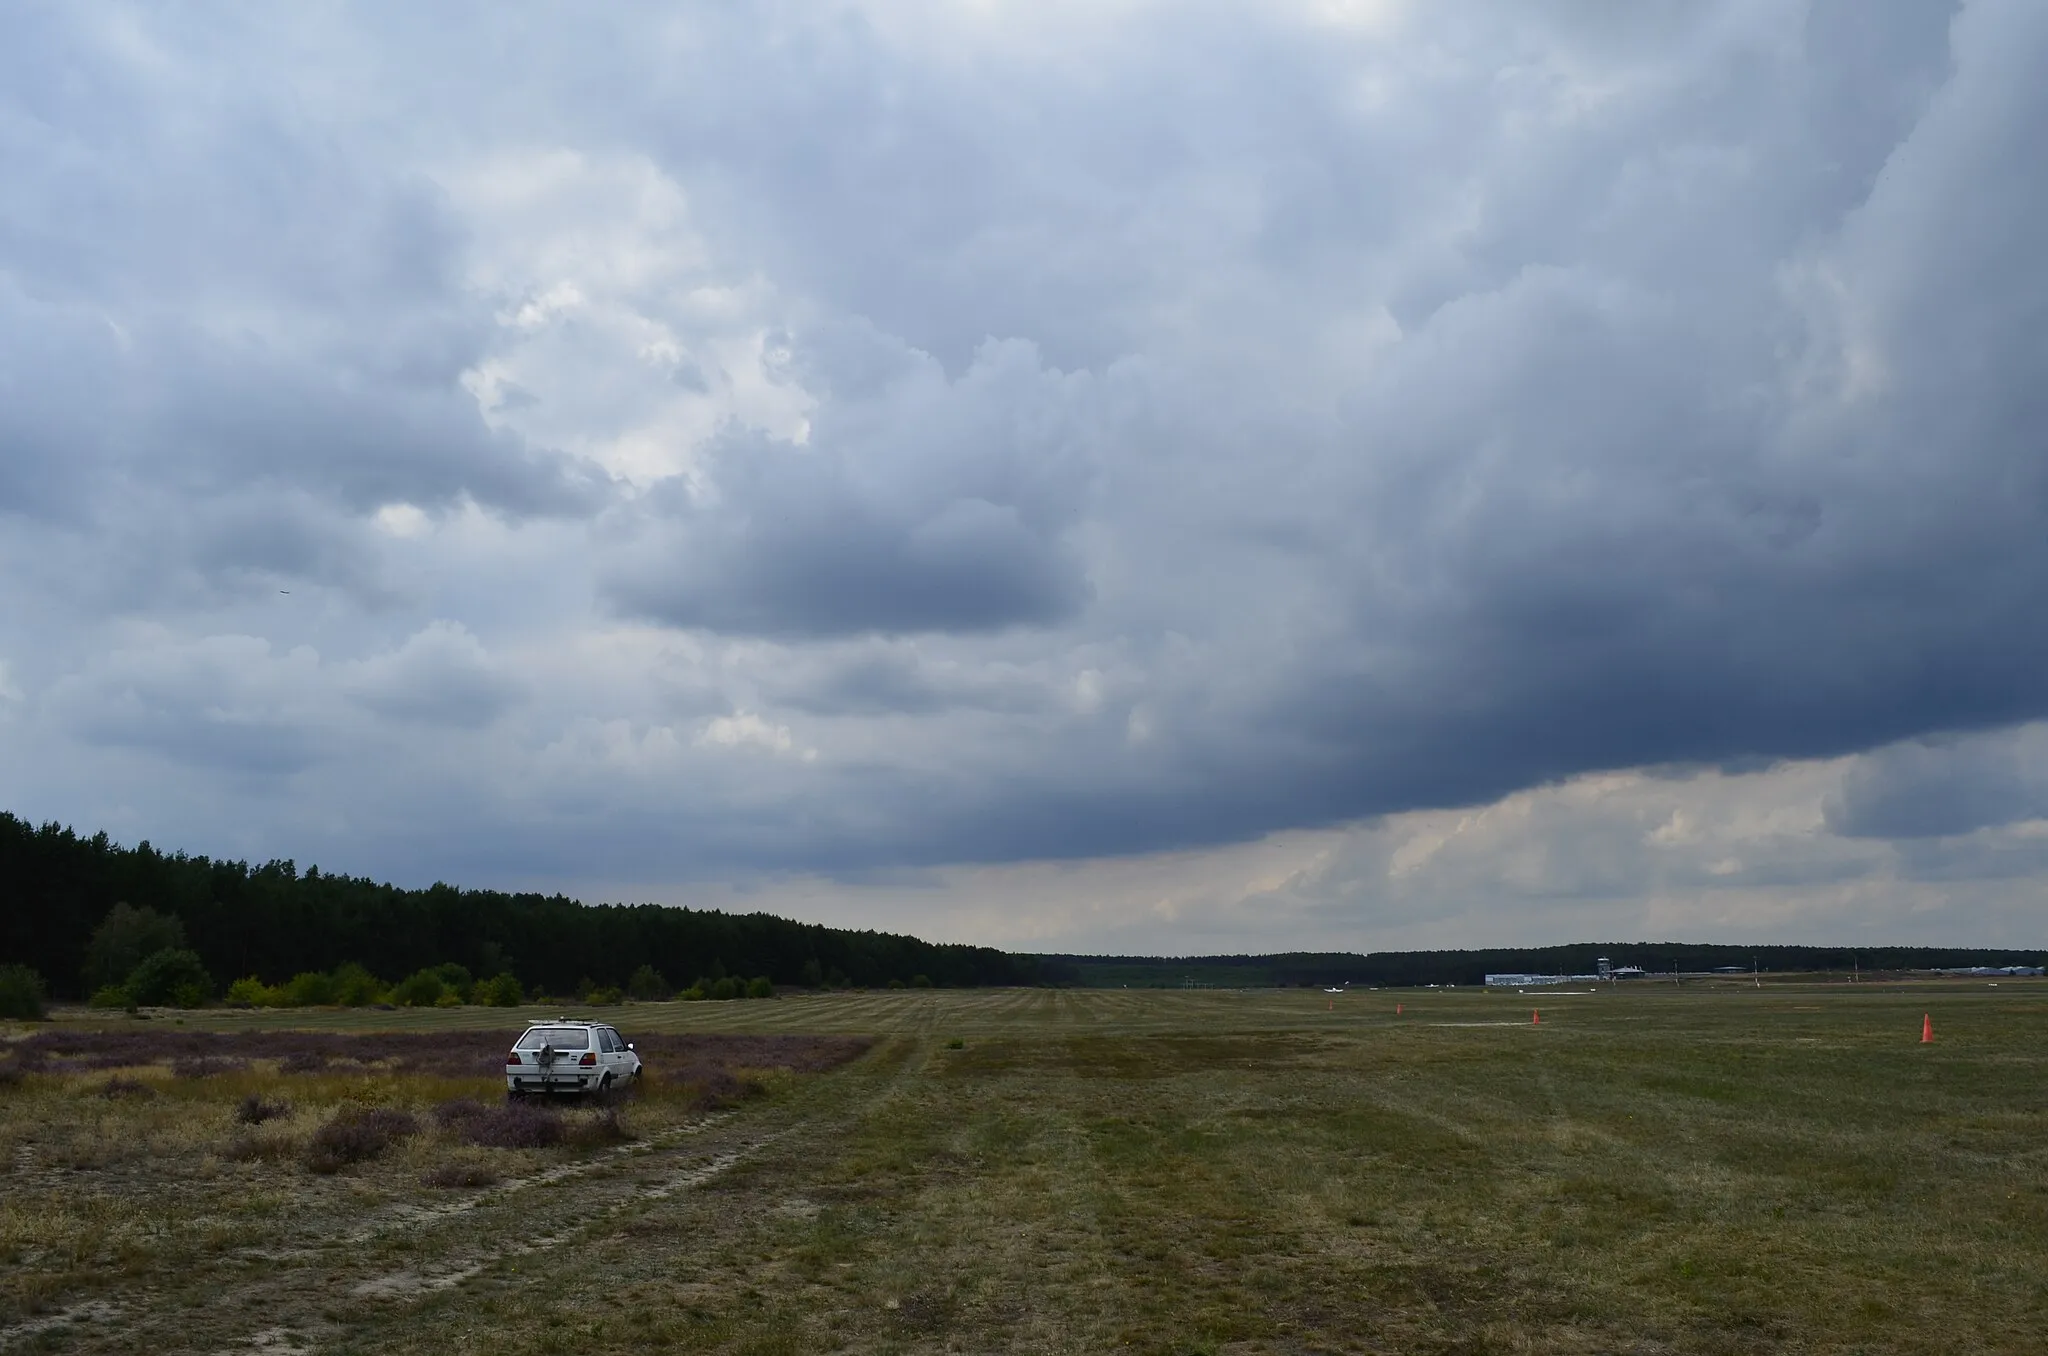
{"points": [[441, 675], [926, 505], [1089, 431]]}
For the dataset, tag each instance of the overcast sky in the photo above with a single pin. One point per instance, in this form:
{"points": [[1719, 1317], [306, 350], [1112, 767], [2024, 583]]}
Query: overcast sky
{"points": [[1068, 474]]}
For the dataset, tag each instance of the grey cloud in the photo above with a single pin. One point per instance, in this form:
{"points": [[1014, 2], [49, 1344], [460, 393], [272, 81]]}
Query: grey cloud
{"points": [[927, 506], [894, 679], [1407, 419], [1933, 788], [442, 676], [226, 702], [229, 296]]}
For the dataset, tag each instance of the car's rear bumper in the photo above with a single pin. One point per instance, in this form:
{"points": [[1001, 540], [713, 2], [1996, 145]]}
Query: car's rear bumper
{"points": [[557, 1083]]}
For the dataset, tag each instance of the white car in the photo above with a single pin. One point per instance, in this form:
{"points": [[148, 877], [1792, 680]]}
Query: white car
{"points": [[569, 1056]]}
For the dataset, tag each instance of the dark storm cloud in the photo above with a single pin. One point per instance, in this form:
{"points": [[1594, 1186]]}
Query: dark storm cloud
{"points": [[1003, 431], [895, 680], [918, 505]]}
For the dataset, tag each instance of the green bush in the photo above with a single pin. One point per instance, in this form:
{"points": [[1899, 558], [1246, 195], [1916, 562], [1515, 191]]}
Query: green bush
{"points": [[21, 993], [125, 938], [171, 977], [310, 989], [921, 981], [421, 990], [110, 996], [500, 992], [696, 993], [647, 985], [761, 987], [251, 992], [457, 980], [723, 989], [604, 998], [895, 983], [355, 987]]}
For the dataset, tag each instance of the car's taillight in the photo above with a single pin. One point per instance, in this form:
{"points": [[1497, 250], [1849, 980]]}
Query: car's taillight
{"points": [[512, 1058], [589, 1061]]}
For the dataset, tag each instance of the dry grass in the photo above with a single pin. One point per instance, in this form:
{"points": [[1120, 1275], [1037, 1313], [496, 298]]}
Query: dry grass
{"points": [[1653, 1171]]}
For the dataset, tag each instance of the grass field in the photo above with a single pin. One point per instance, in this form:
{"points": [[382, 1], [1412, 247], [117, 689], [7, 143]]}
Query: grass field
{"points": [[1650, 1170]]}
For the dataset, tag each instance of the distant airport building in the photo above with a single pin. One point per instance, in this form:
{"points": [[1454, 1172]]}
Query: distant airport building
{"points": [[1536, 981], [1974, 970]]}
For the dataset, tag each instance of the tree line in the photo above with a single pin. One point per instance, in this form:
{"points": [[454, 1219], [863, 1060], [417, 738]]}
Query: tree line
{"points": [[275, 924], [1406, 968]]}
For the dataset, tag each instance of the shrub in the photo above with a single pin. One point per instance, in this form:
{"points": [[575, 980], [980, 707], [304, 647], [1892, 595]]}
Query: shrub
{"points": [[457, 980], [357, 1135], [517, 1125], [310, 989], [920, 981], [647, 985], [355, 987], [125, 938], [895, 983], [458, 1111], [21, 993], [604, 998], [248, 1148], [170, 977], [457, 1175], [254, 1110], [500, 992], [761, 987], [110, 996], [724, 989], [422, 990], [694, 994], [251, 992], [206, 1066]]}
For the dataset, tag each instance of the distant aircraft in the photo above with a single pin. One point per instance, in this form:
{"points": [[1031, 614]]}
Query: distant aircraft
{"points": [[284, 590], [1337, 990]]}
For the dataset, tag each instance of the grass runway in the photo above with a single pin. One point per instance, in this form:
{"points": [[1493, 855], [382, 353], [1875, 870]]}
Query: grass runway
{"points": [[1654, 1169]]}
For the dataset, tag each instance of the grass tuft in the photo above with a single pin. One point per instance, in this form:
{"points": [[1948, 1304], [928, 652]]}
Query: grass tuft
{"points": [[254, 1110]]}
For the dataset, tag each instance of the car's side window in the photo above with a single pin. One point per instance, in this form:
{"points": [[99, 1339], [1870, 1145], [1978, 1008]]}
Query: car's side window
{"points": [[611, 1041]]}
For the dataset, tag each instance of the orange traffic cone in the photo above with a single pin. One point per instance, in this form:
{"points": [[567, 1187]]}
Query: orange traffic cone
{"points": [[1535, 1017], [1927, 1028]]}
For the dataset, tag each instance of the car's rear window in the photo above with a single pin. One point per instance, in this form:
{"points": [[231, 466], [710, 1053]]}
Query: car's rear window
{"points": [[561, 1037]]}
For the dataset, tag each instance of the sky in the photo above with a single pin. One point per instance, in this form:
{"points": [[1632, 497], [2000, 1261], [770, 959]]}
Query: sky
{"points": [[1108, 476]]}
